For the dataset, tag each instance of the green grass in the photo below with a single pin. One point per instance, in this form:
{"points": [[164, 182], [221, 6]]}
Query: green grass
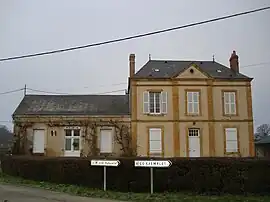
{"points": [[82, 191]]}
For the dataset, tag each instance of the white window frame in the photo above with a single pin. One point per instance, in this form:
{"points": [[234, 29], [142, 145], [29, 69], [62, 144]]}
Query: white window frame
{"points": [[163, 102], [193, 102], [227, 95], [106, 151], [72, 137], [231, 140], [158, 152]]}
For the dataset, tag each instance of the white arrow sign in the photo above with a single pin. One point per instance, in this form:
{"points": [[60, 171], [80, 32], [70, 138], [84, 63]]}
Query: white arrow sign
{"points": [[153, 163], [113, 163]]}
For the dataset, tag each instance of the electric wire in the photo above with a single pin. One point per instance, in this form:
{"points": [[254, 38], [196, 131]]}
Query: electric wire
{"points": [[134, 36]]}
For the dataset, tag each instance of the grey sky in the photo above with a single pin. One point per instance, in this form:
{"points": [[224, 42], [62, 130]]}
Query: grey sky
{"points": [[33, 26]]}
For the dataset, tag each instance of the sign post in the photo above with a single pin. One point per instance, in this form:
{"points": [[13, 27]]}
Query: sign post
{"points": [[152, 164], [105, 163]]}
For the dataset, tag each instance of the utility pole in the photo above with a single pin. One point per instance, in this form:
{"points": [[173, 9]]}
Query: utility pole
{"points": [[25, 89]]}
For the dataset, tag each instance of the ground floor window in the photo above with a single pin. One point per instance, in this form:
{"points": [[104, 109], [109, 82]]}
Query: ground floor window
{"points": [[155, 142], [106, 141], [231, 140], [72, 140]]}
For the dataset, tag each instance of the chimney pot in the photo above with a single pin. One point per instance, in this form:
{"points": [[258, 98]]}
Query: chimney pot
{"points": [[131, 65], [234, 62]]}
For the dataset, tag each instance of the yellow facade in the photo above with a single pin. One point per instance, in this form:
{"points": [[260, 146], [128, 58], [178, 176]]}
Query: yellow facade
{"points": [[55, 144], [211, 120]]}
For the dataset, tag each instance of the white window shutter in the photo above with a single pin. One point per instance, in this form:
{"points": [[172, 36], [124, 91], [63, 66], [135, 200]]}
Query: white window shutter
{"points": [[155, 140], [146, 102], [231, 140], [164, 102], [106, 143]]}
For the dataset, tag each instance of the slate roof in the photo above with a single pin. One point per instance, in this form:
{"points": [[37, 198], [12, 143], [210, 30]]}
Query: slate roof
{"points": [[73, 105], [170, 68], [264, 140]]}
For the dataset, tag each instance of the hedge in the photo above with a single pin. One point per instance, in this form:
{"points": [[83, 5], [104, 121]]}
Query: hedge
{"points": [[200, 175]]}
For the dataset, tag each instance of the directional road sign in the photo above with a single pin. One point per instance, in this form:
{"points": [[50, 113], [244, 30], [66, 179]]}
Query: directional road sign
{"points": [[153, 163], [101, 162]]}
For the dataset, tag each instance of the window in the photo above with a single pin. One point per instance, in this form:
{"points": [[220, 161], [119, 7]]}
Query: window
{"points": [[229, 103], [106, 141], [231, 140], [155, 142], [72, 140], [193, 106], [155, 102], [193, 132]]}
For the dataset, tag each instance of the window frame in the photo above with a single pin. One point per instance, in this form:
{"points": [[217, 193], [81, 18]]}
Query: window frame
{"points": [[163, 102], [72, 137], [155, 102], [187, 113], [149, 154], [235, 103], [237, 140]]}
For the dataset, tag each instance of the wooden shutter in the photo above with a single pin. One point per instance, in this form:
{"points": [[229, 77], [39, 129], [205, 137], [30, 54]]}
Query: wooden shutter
{"points": [[155, 141], [106, 143], [231, 140], [164, 101], [146, 102]]}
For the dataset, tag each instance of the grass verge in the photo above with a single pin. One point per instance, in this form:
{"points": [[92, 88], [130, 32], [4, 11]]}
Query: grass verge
{"points": [[165, 197]]}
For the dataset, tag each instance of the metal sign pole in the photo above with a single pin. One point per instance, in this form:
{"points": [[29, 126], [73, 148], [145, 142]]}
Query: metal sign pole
{"points": [[151, 180], [152, 164], [104, 163], [104, 178]]}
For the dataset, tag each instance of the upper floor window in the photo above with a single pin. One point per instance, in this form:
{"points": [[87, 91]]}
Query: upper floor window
{"points": [[229, 103], [193, 102], [155, 102]]}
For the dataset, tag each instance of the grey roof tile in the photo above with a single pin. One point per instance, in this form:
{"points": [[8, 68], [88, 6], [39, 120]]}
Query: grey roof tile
{"points": [[73, 105], [170, 68]]}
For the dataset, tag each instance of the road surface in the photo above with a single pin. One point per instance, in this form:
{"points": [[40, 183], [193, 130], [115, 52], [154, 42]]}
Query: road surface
{"points": [[10, 193]]}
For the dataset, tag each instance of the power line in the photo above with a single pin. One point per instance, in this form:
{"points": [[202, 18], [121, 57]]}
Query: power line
{"points": [[62, 93], [262, 63], [114, 84], [12, 91], [50, 92], [135, 36]]}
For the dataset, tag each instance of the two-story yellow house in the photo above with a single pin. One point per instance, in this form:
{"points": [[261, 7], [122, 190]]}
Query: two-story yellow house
{"points": [[174, 108], [191, 109]]}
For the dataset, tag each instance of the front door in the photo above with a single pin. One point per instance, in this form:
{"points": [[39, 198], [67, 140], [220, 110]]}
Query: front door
{"points": [[72, 142], [194, 142]]}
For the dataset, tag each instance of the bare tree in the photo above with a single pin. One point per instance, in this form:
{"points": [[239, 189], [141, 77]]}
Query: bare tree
{"points": [[262, 131]]}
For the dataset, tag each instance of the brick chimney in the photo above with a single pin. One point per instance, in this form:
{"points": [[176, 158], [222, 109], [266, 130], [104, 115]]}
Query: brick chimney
{"points": [[131, 65], [234, 63]]}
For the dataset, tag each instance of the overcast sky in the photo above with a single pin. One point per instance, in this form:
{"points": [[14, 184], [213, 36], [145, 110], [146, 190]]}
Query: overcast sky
{"points": [[32, 26]]}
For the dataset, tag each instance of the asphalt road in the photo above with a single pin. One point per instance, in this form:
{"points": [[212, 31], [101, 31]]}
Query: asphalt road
{"points": [[12, 193]]}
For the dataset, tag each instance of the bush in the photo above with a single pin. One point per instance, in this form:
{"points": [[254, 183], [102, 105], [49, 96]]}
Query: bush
{"points": [[201, 175]]}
